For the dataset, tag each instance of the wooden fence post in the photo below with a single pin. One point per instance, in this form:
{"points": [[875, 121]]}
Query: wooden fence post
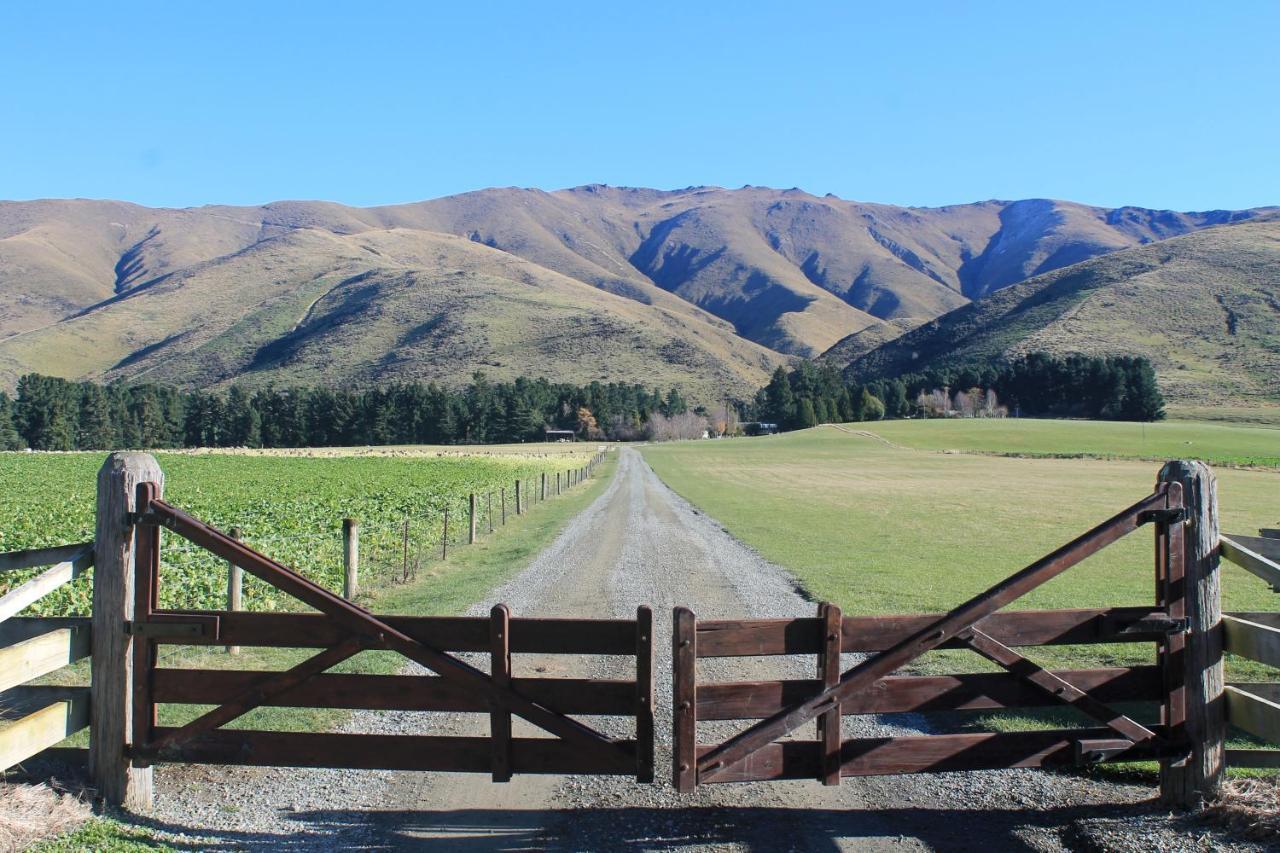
{"points": [[444, 537], [118, 781], [350, 558], [517, 497], [1190, 782], [557, 484], [235, 585], [504, 506], [488, 509], [544, 485], [684, 654], [471, 507]]}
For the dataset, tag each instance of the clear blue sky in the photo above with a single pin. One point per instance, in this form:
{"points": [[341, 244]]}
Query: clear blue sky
{"points": [[1160, 104]]}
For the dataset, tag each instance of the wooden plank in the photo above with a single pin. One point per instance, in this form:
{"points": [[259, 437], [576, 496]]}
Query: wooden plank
{"points": [[919, 694], [741, 637], [41, 655], [684, 698], [1269, 532], [1258, 556], [1263, 617], [14, 560], [1253, 757], [1252, 640], [22, 597], [396, 752], [798, 759], [1269, 690], [1257, 715], [933, 635], [446, 633], [37, 732], [17, 702], [21, 628], [644, 695], [500, 672], [393, 692]]}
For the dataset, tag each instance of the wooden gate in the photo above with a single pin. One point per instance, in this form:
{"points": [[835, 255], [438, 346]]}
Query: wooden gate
{"points": [[782, 707], [342, 629]]}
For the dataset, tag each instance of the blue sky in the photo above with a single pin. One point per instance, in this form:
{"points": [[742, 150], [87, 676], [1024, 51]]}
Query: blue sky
{"points": [[1166, 104]]}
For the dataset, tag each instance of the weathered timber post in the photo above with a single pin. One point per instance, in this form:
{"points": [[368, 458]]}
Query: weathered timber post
{"points": [[517, 497], [444, 537], [544, 486], [350, 558], [235, 585], [1197, 665], [118, 781], [471, 507], [504, 506], [488, 509], [404, 547], [557, 484]]}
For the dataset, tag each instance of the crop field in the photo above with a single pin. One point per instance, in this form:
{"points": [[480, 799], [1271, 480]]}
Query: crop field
{"points": [[1215, 443], [286, 504], [887, 529]]}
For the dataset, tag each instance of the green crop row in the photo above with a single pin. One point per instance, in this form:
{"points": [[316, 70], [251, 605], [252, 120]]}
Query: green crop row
{"points": [[287, 507]]}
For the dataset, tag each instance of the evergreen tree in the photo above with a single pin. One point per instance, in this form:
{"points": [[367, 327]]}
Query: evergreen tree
{"points": [[9, 438], [872, 407], [780, 402], [806, 417]]}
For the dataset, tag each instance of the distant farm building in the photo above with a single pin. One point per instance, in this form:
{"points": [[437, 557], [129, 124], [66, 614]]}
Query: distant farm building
{"points": [[759, 428], [560, 435]]}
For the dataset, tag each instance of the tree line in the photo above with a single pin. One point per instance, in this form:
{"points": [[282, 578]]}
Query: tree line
{"points": [[1119, 388], [55, 414]]}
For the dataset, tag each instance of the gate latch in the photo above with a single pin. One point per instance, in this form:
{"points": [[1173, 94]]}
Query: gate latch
{"points": [[1095, 751], [1157, 625], [1171, 515], [175, 627]]}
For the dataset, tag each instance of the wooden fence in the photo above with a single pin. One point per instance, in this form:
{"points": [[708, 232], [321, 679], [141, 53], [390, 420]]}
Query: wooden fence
{"points": [[1254, 707]]}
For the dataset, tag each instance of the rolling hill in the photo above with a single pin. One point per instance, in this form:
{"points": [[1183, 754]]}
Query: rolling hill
{"points": [[704, 287], [1204, 308]]}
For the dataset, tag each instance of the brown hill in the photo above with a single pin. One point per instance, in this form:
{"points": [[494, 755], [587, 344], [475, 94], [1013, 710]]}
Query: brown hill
{"points": [[702, 285], [1204, 307]]}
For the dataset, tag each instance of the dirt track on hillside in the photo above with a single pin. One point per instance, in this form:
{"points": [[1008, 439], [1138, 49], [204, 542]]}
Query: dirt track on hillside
{"points": [[639, 543]]}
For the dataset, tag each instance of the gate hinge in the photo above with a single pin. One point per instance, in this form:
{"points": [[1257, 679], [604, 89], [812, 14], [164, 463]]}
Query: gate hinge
{"points": [[132, 518], [1098, 750], [1170, 515], [1157, 625]]}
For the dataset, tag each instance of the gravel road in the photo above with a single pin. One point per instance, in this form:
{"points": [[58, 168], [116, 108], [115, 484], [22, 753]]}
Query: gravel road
{"points": [[640, 543]]}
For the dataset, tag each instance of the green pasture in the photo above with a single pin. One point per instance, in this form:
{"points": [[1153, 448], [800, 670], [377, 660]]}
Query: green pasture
{"points": [[1213, 442]]}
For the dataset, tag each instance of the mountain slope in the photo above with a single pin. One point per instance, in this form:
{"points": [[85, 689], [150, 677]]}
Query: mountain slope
{"points": [[1205, 308], [748, 276]]}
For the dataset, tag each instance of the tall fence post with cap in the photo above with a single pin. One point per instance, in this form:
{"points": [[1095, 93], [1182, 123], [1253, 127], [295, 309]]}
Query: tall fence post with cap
{"points": [[1197, 665], [114, 773]]}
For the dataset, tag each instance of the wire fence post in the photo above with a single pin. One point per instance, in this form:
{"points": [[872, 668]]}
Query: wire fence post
{"points": [[444, 537], [350, 558], [489, 510], [235, 585], [517, 497], [471, 506], [544, 485], [504, 506]]}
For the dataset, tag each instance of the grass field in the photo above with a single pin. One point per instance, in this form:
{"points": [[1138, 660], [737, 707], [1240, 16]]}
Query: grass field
{"points": [[1216, 443]]}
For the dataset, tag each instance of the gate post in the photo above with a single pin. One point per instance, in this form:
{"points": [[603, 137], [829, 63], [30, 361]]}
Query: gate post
{"points": [[118, 781], [1189, 783]]}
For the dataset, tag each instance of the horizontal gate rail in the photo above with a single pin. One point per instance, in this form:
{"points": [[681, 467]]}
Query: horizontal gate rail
{"points": [[897, 694], [398, 752], [747, 637], [799, 759], [445, 633]]}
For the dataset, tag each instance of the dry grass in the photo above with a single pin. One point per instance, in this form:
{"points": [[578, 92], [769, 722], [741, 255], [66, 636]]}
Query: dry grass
{"points": [[1248, 807], [32, 813]]}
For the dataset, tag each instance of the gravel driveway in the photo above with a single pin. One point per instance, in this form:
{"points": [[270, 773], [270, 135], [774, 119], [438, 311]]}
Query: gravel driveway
{"points": [[640, 543]]}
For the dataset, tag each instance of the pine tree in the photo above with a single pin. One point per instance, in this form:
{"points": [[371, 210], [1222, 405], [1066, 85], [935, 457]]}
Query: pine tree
{"points": [[780, 402], [9, 438], [806, 417]]}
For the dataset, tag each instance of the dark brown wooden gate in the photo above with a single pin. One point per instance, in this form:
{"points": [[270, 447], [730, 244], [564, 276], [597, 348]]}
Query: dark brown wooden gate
{"points": [[781, 707], [341, 630]]}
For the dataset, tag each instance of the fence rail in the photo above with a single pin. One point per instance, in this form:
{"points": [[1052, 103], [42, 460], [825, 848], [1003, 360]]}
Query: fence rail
{"points": [[1254, 707]]}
